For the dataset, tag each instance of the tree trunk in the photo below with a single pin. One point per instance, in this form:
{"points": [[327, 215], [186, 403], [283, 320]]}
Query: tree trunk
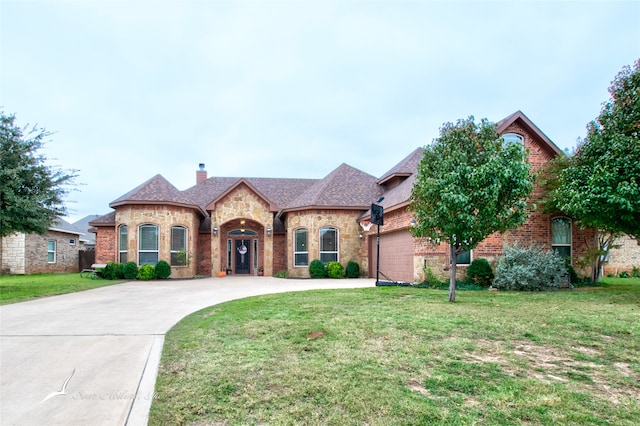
{"points": [[452, 280]]}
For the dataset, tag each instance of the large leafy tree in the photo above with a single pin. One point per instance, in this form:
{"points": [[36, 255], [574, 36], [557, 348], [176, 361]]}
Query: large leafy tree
{"points": [[469, 185], [31, 192], [600, 184]]}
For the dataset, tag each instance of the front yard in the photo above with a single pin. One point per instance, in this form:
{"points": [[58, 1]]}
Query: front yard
{"points": [[385, 356], [20, 288]]}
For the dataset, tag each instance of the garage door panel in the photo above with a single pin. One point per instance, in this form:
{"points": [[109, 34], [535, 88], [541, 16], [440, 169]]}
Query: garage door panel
{"points": [[396, 256]]}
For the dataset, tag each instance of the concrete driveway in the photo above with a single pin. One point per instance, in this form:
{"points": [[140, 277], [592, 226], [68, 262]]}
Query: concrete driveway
{"points": [[91, 358]]}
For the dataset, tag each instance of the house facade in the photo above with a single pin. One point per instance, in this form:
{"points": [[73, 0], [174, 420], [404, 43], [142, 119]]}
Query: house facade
{"points": [[55, 251], [250, 225]]}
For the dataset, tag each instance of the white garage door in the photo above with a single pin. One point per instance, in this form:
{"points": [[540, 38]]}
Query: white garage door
{"points": [[396, 257]]}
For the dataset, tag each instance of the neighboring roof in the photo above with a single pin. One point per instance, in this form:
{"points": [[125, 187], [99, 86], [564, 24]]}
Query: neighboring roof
{"points": [[83, 225], [404, 168], [519, 116], [61, 225], [344, 188], [157, 190]]}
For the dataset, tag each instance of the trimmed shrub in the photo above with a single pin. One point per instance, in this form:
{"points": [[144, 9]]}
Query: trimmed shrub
{"points": [[146, 272], [353, 269], [480, 273], [335, 270], [130, 270], [163, 270], [282, 274], [111, 271], [529, 269], [317, 269]]}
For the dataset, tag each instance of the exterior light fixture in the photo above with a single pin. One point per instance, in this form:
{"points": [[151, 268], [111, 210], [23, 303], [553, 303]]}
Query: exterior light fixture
{"points": [[215, 231], [268, 231]]}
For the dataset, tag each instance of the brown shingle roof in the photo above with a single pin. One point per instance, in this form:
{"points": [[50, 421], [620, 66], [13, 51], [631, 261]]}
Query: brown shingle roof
{"points": [[405, 168], [345, 187], [156, 190]]}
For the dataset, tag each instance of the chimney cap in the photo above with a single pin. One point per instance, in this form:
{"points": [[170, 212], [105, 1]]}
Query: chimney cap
{"points": [[201, 166]]}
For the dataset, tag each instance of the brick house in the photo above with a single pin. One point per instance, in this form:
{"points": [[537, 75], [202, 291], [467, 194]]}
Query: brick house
{"points": [[55, 251], [245, 225]]}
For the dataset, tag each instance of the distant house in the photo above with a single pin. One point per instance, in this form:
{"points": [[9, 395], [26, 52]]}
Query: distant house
{"points": [[55, 251], [83, 225], [243, 225]]}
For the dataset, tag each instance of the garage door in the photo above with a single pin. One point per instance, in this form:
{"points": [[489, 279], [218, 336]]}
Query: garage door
{"points": [[396, 256]]}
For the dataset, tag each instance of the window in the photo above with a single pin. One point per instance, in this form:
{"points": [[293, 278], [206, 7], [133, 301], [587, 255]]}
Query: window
{"points": [[147, 244], [122, 244], [464, 258], [300, 247], [51, 251], [510, 138], [178, 245], [561, 236], [328, 245], [72, 242]]}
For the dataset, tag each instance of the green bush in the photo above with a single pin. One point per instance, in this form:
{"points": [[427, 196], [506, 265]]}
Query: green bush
{"points": [[529, 269], [480, 273], [636, 272], [163, 270], [353, 269], [623, 274], [130, 270], [430, 279], [146, 272], [317, 269], [111, 271], [335, 270]]}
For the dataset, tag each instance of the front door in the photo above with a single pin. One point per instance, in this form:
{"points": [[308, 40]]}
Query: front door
{"points": [[243, 256]]}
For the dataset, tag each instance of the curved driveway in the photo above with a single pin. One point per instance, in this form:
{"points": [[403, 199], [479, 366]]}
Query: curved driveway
{"points": [[91, 358]]}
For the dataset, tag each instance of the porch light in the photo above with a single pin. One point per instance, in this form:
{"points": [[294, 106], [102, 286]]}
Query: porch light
{"points": [[268, 231], [215, 231]]}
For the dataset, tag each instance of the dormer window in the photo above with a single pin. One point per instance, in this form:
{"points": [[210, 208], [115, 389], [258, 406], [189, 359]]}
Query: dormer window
{"points": [[510, 138]]}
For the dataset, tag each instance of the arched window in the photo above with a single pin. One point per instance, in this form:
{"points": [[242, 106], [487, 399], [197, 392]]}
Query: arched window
{"points": [[300, 247], [178, 245], [148, 244], [561, 236], [122, 244], [510, 138], [328, 244]]}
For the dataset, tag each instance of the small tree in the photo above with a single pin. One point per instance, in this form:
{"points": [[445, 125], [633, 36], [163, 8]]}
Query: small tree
{"points": [[600, 184], [470, 184]]}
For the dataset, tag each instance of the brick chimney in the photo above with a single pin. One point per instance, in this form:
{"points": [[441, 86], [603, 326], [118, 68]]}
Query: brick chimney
{"points": [[201, 174]]}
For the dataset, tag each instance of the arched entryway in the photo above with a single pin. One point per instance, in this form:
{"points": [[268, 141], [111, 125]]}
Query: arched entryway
{"points": [[242, 242]]}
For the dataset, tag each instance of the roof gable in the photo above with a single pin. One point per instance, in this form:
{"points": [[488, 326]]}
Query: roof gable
{"points": [[405, 168], [239, 183], [522, 119]]}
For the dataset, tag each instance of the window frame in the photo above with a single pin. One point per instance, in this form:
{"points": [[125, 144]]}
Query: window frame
{"points": [[146, 250], [173, 252], [555, 245], [322, 250], [458, 262], [123, 251], [305, 245], [52, 253], [512, 138]]}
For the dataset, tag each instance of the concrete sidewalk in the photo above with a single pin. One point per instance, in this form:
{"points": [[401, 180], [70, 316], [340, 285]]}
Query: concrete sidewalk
{"points": [[91, 358]]}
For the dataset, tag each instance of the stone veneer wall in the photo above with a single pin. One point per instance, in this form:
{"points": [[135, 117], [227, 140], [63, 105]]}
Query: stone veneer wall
{"points": [[623, 258], [13, 254], [241, 203], [350, 246], [165, 216]]}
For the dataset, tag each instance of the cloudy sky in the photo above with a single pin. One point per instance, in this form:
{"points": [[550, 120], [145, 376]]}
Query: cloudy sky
{"points": [[293, 88]]}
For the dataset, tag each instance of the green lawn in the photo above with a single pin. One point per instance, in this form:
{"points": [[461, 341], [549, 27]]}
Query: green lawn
{"points": [[20, 288], [396, 356]]}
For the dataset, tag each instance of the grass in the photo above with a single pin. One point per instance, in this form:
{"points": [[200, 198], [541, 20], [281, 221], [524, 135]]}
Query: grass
{"points": [[396, 356], [20, 288]]}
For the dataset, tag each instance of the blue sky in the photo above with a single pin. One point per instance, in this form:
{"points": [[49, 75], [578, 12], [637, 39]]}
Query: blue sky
{"points": [[293, 88]]}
